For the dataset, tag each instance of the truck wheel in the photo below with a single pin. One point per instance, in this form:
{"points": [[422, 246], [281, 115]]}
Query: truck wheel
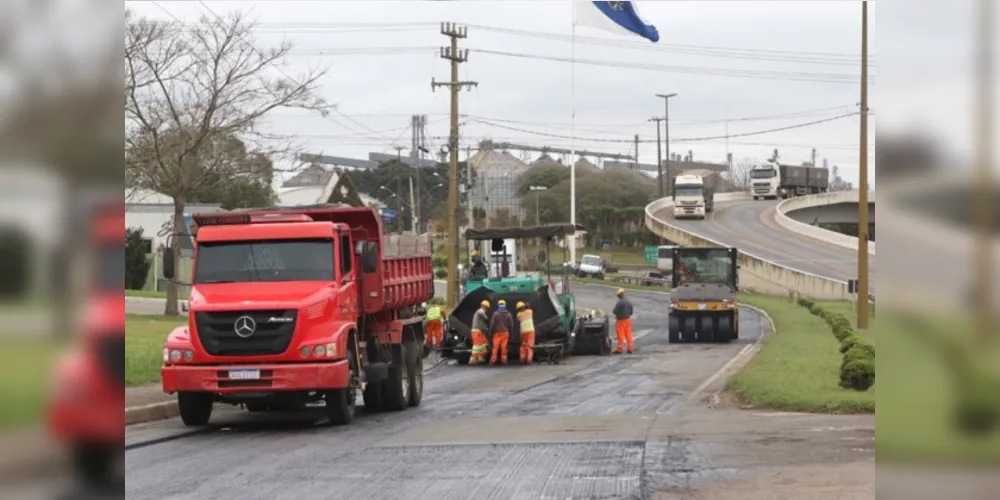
{"points": [[725, 333], [755, 198], [674, 330], [374, 402], [98, 466], [341, 404], [414, 372], [396, 388], [706, 330], [195, 408]]}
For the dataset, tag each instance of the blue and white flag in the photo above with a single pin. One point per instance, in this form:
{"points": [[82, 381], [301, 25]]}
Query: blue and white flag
{"points": [[616, 17]]}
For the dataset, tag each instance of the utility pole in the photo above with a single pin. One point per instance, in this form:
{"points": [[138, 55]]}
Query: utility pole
{"points": [[863, 179], [456, 57], [666, 129], [659, 157], [985, 322], [636, 152], [399, 190]]}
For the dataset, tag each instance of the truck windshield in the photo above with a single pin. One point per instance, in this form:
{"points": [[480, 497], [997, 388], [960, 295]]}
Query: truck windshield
{"points": [[591, 260], [111, 265], [704, 266], [279, 260], [764, 173], [688, 191], [665, 253]]}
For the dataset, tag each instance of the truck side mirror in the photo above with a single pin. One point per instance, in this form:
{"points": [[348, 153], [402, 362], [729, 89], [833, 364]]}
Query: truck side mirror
{"points": [[167, 263], [369, 257]]}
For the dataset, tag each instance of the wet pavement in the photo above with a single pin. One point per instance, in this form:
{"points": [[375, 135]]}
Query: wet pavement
{"points": [[614, 427]]}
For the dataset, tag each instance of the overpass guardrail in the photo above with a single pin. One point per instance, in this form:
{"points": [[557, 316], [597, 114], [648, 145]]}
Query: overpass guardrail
{"points": [[756, 273], [815, 232]]}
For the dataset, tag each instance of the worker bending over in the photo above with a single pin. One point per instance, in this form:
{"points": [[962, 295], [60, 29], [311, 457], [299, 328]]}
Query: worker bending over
{"points": [[480, 325], [623, 322], [500, 326], [435, 323], [527, 323]]}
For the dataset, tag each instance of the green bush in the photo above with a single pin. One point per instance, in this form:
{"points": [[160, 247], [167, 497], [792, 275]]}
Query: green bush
{"points": [[137, 263], [440, 273], [857, 370], [439, 261], [15, 262], [858, 373]]}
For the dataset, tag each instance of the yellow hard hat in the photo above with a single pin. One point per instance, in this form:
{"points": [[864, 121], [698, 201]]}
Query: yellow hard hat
{"points": [[475, 253], [485, 303], [520, 305], [501, 302], [621, 291]]}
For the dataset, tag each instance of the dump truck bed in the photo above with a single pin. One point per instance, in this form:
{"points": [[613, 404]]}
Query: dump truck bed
{"points": [[408, 272]]}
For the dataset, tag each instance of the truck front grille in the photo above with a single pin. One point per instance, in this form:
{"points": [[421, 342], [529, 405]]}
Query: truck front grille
{"points": [[111, 352], [271, 336]]}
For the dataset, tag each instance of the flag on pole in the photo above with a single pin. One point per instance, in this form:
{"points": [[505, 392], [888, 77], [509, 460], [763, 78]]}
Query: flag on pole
{"points": [[616, 17]]}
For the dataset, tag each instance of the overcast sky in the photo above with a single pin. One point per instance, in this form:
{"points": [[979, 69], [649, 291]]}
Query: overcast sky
{"points": [[778, 43]]}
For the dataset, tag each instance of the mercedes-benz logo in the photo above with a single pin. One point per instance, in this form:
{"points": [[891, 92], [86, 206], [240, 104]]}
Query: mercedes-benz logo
{"points": [[245, 326]]}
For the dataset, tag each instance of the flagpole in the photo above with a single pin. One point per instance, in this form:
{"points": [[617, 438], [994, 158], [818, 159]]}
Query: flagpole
{"points": [[572, 133]]}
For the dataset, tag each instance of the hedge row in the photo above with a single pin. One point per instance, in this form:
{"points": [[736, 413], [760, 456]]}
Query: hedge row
{"points": [[857, 371]]}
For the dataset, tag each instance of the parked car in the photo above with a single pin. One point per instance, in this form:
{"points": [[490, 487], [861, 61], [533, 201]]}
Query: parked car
{"points": [[654, 278]]}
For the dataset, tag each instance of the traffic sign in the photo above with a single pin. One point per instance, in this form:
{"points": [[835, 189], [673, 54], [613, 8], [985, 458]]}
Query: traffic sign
{"points": [[651, 252], [389, 216]]}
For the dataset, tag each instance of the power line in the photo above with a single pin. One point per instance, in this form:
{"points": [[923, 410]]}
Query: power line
{"points": [[691, 139], [702, 50], [691, 121], [772, 75]]}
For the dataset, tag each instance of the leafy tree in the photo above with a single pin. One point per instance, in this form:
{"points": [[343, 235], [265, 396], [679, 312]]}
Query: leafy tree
{"points": [[15, 258], [430, 186], [137, 262]]}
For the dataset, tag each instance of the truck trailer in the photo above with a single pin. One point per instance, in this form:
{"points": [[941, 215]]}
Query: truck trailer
{"points": [[773, 180], [292, 306], [694, 193]]}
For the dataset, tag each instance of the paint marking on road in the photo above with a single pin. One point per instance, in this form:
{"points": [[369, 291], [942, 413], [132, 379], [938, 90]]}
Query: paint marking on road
{"points": [[746, 352]]}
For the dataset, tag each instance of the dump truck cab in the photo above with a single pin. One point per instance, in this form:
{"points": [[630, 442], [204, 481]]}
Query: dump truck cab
{"points": [[559, 330], [703, 301]]}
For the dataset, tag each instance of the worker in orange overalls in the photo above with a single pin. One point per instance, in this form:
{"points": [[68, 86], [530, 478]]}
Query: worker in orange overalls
{"points": [[480, 326], [623, 321], [500, 326], [435, 323], [527, 323]]}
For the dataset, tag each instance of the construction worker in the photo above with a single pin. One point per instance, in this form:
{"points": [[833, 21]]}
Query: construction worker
{"points": [[435, 323], [527, 324], [623, 322], [479, 271], [480, 325], [500, 326]]}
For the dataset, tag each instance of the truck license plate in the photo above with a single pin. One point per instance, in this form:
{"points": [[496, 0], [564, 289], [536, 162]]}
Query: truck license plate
{"points": [[702, 306], [244, 374]]}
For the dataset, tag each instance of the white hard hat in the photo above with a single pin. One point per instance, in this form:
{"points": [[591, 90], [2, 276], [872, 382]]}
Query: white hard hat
{"points": [[423, 304]]}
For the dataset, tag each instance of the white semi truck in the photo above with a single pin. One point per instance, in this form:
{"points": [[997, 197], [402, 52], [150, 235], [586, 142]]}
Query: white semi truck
{"points": [[772, 180], [694, 194]]}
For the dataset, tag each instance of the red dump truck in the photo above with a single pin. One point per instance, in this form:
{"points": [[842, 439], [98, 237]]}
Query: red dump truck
{"points": [[85, 409], [291, 306]]}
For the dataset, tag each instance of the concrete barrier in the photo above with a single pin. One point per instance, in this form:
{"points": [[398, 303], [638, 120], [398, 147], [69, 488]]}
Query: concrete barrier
{"points": [[755, 273], [818, 233]]}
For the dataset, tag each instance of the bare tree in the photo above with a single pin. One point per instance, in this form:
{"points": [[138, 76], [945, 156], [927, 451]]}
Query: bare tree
{"points": [[741, 173], [190, 89]]}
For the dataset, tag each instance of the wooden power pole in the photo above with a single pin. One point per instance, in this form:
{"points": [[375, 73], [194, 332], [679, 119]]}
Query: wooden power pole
{"points": [[456, 56], [863, 179]]}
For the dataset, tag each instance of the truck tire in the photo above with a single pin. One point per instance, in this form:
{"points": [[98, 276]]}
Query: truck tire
{"points": [[414, 372], [341, 404], [374, 400], [396, 388], [674, 330], [755, 198], [97, 465], [195, 408], [706, 330], [726, 332]]}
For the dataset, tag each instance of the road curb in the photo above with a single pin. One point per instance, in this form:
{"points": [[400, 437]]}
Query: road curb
{"points": [[151, 413]]}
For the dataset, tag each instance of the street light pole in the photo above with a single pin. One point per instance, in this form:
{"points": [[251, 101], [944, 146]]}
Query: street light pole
{"points": [[666, 132], [538, 191]]}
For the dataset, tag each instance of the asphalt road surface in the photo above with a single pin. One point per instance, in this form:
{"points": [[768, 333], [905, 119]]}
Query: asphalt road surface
{"points": [[749, 225], [614, 427]]}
